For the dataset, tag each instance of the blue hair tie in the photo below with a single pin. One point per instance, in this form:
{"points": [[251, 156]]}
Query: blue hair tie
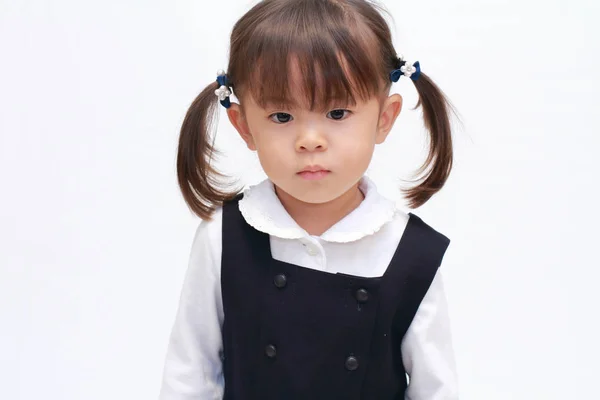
{"points": [[223, 91], [411, 71]]}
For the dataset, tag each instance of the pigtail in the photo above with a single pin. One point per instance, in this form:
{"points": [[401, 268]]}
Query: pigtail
{"points": [[198, 179], [436, 114]]}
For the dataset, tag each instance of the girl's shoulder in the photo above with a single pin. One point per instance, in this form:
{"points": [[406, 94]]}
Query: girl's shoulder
{"points": [[208, 232], [403, 221]]}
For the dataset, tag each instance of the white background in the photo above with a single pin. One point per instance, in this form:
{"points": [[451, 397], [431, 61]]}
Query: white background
{"points": [[95, 237]]}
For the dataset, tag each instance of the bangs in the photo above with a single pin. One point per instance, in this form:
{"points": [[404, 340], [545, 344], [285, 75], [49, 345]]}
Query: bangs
{"points": [[316, 56]]}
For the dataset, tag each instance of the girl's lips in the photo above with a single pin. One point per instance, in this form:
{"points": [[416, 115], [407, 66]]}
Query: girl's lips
{"points": [[314, 175]]}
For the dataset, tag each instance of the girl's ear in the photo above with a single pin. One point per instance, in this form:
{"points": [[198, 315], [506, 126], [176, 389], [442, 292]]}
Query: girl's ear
{"points": [[389, 112], [238, 120]]}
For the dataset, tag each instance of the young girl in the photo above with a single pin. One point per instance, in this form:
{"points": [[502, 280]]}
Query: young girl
{"points": [[311, 285]]}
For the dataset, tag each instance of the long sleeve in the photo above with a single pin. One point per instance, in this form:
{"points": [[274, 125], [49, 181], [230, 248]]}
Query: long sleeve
{"points": [[427, 351], [193, 367]]}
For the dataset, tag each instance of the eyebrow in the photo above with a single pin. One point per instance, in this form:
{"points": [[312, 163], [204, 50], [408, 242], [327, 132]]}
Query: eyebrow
{"points": [[292, 104], [281, 103]]}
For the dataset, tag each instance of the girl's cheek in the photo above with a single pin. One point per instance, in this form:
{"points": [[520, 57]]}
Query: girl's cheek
{"points": [[356, 146]]}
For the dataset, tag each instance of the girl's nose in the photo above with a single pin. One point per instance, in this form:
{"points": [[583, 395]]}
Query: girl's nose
{"points": [[311, 141]]}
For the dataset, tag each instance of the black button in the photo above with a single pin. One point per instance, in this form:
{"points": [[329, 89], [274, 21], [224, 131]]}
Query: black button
{"points": [[280, 280], [270, 351], [362, 295], [351, 363]]}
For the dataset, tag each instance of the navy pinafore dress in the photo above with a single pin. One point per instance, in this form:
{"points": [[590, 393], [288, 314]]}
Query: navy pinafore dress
{"points": [[294, 333]]}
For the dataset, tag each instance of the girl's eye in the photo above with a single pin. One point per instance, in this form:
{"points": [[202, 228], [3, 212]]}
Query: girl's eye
{"points": [[338, 114], [282, 118]]}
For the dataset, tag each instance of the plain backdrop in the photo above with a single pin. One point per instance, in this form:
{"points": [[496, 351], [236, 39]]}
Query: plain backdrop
{"points": [[95, 237]]}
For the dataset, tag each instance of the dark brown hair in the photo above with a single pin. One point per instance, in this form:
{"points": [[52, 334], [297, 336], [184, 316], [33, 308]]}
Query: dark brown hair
{"points": [[343, 49]]}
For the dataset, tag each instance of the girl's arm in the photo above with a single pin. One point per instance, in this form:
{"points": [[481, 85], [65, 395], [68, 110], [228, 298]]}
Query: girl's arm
{"points": [[193, 367], [427, 349]]}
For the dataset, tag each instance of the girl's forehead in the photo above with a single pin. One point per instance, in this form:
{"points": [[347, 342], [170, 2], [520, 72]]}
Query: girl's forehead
{"points": [[296, 76], [305, 87]]}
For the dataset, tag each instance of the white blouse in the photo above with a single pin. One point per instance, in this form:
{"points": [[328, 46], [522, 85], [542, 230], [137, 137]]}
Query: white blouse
{"points": [[361, 244]]}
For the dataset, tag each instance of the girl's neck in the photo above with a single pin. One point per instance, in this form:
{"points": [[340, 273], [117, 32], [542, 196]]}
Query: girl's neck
{"points": [[318, 218]]}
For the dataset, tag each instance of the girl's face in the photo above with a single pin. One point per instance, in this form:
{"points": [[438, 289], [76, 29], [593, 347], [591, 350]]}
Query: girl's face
{"points": [[312, 156]]}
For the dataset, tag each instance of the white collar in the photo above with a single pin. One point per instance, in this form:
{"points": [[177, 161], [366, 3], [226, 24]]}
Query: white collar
{"points": [[263, 210]]}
